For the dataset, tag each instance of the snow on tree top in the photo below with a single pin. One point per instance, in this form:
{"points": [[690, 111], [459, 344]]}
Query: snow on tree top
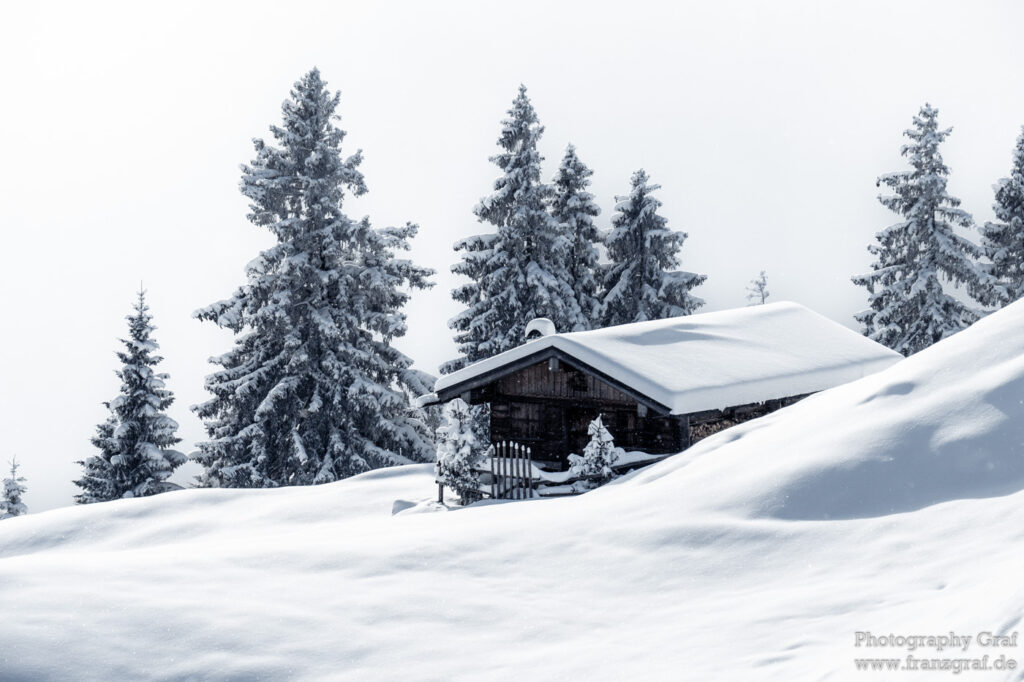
{"points": [[712, 360]]}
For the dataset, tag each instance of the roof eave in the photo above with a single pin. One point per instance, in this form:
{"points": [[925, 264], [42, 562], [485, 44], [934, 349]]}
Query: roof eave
{"points": [[442, 395]]}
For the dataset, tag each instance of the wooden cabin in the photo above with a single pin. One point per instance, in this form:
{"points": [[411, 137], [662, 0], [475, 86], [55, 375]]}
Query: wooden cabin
{"points": [[662, 385]]}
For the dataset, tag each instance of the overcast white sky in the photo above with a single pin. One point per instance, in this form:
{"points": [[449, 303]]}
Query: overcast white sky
{"points": [[765, 123]]}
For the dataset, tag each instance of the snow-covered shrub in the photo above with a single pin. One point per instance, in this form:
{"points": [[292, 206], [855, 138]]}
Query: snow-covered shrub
{"points": [[595, 464], [11, 504], [459, 452]]}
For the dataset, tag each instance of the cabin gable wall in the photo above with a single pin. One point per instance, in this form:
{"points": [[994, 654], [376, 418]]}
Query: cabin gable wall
{"points": [[549, 405]]}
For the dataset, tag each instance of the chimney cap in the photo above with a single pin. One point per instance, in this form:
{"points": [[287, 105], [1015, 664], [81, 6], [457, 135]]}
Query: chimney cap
{"points": [[539, 327]]}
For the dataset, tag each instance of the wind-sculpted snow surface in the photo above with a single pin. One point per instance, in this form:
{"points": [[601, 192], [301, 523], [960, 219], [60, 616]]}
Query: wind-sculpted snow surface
{"points": [[758, 554]]}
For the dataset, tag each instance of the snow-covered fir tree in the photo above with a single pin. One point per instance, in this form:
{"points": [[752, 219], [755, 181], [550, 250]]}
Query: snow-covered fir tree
{"points": [[574, 209], [757, 290], [136, 457], [459, 452], [599, 455], [641, 282], [517, 272], [313, 390], [13, 488], [909, 307], [470, 336], [1003, 239]]}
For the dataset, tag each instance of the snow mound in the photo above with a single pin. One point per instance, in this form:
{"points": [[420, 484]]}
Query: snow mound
{"points": [[945, 424]]}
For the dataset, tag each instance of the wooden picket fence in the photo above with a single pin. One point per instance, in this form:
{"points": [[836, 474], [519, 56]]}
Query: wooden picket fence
{"points": [[508, 473], [511, 469]]}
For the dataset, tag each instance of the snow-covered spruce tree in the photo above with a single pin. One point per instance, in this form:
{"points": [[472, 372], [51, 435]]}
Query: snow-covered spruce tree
{"points": [[641, 282], [313, 391], [470, 336], [1003, 239], [574, 209], [909, 309], [518, 272], [757, 290], [459, 452], [135, 458], [600, 454], [13, 488]]}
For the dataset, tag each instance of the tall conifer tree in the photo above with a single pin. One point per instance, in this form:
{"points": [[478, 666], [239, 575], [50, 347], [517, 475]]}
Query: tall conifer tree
{"points": [[1003, 239], [574, 209], [313, 391], [642, 282], [135, 441], [909, 307], [517, 272]]}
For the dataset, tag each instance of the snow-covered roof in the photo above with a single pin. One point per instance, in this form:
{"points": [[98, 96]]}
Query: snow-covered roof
{"points": [[712, 360]]}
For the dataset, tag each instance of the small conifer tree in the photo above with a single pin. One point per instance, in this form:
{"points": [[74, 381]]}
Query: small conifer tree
{"points": [[600, 454], [135, 458], [13, 488], [458, 452], [757, 290]]}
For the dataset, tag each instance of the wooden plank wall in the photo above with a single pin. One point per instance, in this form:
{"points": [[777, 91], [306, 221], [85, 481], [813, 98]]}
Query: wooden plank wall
{"points": [[540, 381]]}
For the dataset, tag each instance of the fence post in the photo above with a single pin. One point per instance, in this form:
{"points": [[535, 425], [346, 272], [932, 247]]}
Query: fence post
{"points": [[502, 464], [529, 468], [514, 470], [494, 472], [519, 472]]}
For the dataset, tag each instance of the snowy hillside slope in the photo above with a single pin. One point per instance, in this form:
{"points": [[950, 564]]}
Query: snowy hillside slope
{"points": [[890, 505]]}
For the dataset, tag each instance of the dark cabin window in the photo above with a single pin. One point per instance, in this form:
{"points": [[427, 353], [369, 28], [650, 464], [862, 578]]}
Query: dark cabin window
{"points": [[526, 420], [577, 380]]}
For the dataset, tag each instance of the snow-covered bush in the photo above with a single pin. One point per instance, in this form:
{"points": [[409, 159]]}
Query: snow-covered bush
{"points": [[459, 452], [11, 504], [595, 464]]}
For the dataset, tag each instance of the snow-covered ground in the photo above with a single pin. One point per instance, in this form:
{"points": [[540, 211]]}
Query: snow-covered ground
{"points": [[890, 506]]}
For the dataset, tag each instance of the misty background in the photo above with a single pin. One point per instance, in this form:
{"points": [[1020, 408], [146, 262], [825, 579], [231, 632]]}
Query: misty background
{"points": [[765, 123]]}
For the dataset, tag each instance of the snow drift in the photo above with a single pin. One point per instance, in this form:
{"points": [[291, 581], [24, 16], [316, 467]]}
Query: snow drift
{"points": [[945, 424], [757, 554]]}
